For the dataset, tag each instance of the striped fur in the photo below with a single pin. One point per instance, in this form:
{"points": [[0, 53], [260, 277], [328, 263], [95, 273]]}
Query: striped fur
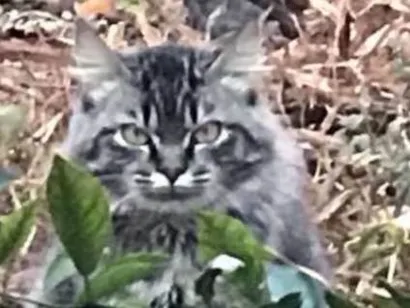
{"points": [[252, 169]]}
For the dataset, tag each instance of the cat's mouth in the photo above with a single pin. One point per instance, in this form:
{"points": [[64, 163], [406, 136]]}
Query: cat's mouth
{"points": [[158, 186], [171, 194]]}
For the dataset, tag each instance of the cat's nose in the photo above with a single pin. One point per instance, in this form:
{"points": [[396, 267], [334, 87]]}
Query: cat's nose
{"points": [[172, 173], [172, 162]]}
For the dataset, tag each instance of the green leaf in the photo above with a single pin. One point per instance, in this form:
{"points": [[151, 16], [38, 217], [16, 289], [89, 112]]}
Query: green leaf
{"points": [[336, 300], [14, 230], [129, 2], [291, 300], [80, 213], [402, 299], [221, 234], [379, 301], [120, 273]]}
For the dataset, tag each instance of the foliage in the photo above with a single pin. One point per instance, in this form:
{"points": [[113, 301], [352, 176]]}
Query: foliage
{"points": [[220, 234], [77, 199], [115, 275], [12, 119], [14, 230], [398, 297], [231, 251]]}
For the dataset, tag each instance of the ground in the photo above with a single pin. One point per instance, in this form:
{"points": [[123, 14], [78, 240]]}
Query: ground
{"points": [[343, 83]]}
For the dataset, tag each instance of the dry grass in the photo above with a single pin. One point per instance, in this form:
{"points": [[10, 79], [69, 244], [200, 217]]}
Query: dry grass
{"points": [[343, 84]]}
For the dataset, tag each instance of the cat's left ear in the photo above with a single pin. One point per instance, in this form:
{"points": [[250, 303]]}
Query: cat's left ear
{"points": [[94, 61], [240, 54]]}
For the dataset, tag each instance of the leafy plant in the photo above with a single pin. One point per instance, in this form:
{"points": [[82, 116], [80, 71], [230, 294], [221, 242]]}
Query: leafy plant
{"points": [[14, 230], [115, 275], [77, 199], [336, 300], [12, 118], [80, 214], [400, 298], [222, 234], [15, 227]]}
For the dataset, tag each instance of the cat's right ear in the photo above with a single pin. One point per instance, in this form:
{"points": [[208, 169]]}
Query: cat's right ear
{"points": [[240, 53], [93, 61]]}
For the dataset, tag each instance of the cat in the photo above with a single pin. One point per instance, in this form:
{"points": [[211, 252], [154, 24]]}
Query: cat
{"points": [[171, 129]]}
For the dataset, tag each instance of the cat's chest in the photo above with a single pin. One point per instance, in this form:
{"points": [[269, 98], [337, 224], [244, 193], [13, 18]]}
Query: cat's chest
{"points": [[180, 273], [155, 232], [169, 234]]}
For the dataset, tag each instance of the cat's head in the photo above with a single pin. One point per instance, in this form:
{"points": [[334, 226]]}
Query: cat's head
{"points": [[168, 126]]}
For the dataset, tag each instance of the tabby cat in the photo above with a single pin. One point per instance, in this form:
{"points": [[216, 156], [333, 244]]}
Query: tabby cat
{"points": [[170, 129]]}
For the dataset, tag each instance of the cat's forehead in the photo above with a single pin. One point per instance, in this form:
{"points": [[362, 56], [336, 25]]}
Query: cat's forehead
{"points": [[170, 64], [168, 79]]}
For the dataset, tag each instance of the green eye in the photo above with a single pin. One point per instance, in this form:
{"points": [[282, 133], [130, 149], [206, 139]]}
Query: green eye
{"points": [[208, 132], [134, 136]]}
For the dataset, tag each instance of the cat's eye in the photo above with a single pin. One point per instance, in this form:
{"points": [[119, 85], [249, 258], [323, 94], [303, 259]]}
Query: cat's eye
{"points": [[133, 135], [207, 132]]}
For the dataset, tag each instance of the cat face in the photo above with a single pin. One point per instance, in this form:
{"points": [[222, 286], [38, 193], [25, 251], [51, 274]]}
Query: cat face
{"points": [[169, 127]]}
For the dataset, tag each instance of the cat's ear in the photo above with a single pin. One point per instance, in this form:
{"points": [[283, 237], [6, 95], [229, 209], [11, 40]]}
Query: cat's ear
{"points": [[94, 61], [240, 53]]}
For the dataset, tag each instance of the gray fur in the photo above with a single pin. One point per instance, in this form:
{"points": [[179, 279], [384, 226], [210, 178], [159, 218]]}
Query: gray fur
{"points": [[253, 171]]}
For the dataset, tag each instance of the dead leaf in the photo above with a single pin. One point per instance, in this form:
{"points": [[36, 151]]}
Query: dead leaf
{"points": [[92, 7], [333, 206], [152, 35], [373, 41]]}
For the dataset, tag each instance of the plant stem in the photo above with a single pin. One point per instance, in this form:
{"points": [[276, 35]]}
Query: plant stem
{"points": [[87, 289]]}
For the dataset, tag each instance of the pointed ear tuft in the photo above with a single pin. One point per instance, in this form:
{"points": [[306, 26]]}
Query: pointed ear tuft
{"points": [[240, 52], [94, 61]]}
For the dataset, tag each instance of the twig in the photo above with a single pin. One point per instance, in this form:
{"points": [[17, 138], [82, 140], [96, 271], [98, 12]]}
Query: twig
{"points": [[19, 299], [13, 89]]}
